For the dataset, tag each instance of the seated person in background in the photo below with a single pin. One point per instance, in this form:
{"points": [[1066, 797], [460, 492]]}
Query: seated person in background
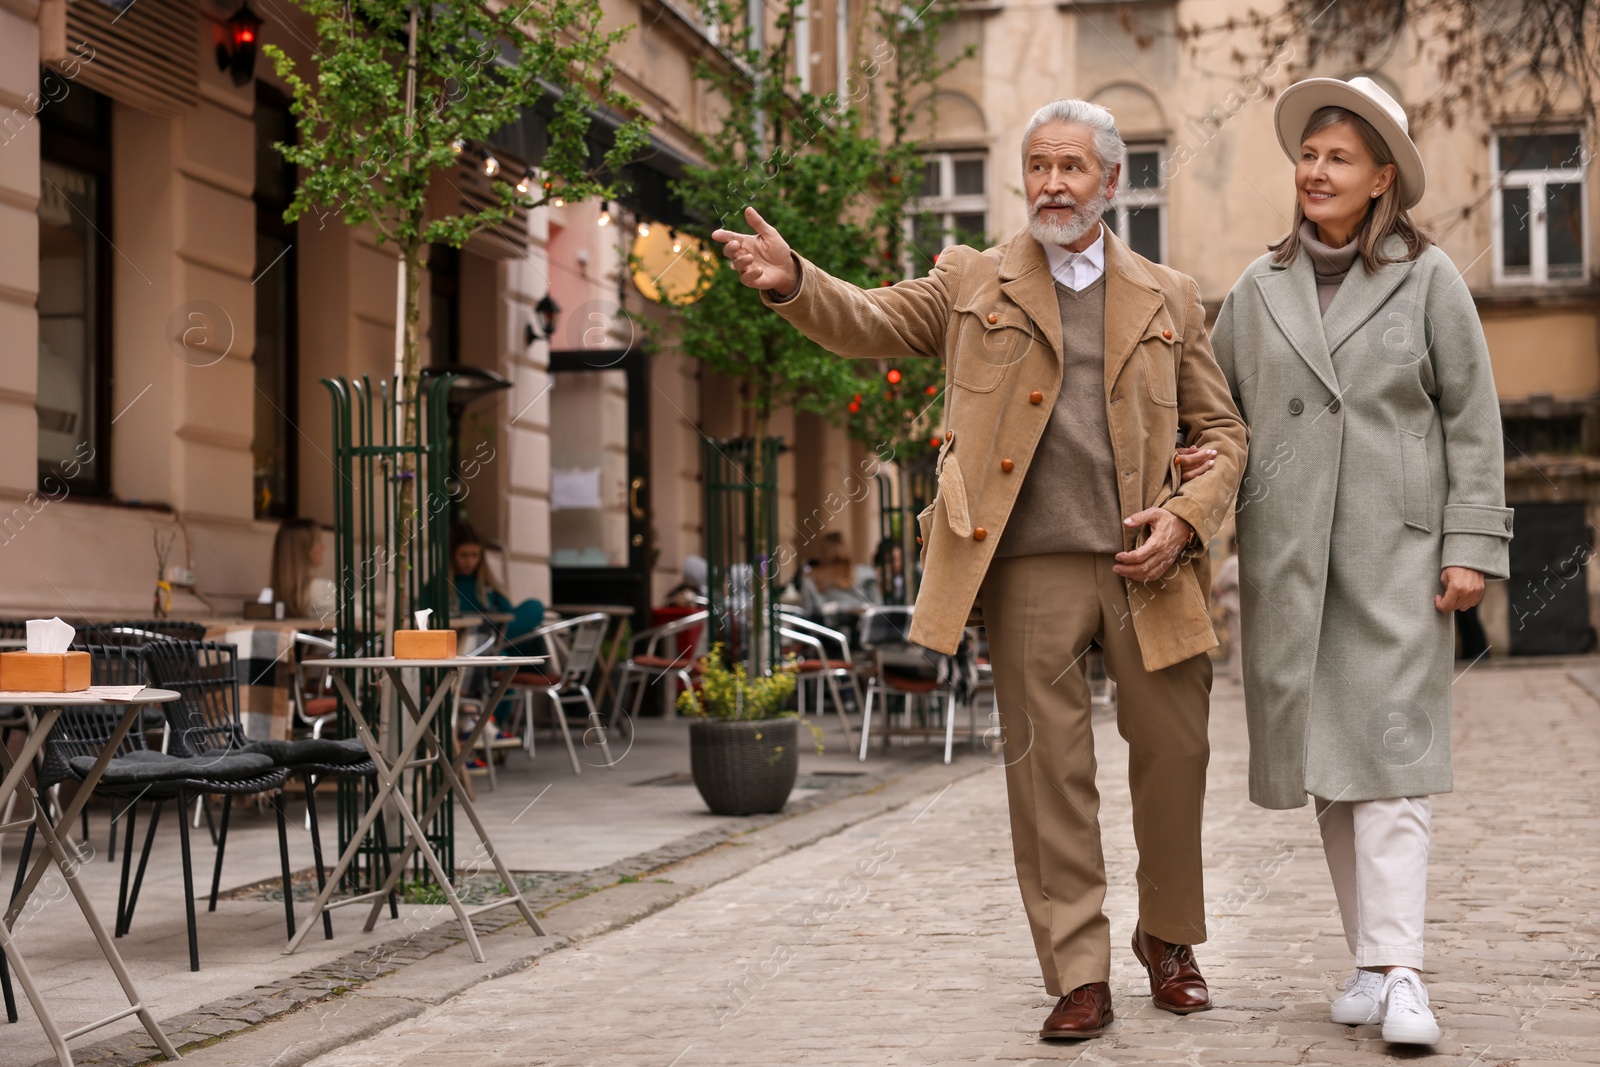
{"points": [[478, 592], [296, 554], [837, 582], [891, 560]]}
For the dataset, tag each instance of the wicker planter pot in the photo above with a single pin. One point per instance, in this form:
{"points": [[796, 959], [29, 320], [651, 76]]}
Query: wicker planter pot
{"points": [[744, 768]]}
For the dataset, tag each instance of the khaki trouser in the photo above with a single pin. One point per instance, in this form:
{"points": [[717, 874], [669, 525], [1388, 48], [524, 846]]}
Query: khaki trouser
{"points": [[1041, 612]]}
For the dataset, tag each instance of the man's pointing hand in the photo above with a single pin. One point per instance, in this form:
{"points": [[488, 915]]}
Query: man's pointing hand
{"points": [[762, 259]]}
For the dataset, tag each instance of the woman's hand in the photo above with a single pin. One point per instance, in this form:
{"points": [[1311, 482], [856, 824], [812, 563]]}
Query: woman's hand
{"points": [[1463, 588], [1193, 462]]}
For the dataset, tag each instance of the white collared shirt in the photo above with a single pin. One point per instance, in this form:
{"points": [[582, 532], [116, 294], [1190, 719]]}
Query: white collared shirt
{"points": [[1078, 270]]}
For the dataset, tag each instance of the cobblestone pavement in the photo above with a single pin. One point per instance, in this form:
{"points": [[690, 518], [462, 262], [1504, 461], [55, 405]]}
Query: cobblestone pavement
{"points": [[902, 940]]}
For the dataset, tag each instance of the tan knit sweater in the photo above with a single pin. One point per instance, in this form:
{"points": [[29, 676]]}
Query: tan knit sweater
{"points": [[1068, 501]]}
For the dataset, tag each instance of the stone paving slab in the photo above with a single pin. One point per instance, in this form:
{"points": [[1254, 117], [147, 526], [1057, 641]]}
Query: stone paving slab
{"points": [[901, 939]]}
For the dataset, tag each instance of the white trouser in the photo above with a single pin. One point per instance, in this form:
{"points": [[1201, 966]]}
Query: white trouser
{"points": [[1378, 856]]}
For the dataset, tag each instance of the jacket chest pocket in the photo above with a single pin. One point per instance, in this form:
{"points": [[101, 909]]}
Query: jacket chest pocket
{"points": [[1158, 351], [990, 338]]}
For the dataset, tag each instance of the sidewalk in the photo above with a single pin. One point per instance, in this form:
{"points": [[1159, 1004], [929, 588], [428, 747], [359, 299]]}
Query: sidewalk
{"points": [[564, 835], [901, 940]]}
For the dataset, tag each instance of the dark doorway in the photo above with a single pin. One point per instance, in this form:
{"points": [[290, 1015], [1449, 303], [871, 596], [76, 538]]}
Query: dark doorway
{"points": [[600, 543], [1549, 586]]}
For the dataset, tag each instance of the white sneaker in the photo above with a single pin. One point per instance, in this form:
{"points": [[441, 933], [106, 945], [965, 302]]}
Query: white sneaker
{"points": [[1406, 1017], [1362, 1001]]}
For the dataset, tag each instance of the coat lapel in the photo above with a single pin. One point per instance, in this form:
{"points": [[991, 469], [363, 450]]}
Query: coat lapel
{"points": [[1361, 295], [1291, 298], [1132, 299], [1026, 280]]}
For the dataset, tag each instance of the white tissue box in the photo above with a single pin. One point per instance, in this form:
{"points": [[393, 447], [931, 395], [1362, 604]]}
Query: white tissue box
{"points": [[45, 672], [424, 644]]}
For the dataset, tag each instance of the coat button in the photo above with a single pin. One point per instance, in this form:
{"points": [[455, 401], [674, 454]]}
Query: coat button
{"points": [[1167, 334], [1334, 407], [1036, 397], [993, 318], [1295, 406], [919, 540], [1007, 466], [949, 435], [979, 534]]}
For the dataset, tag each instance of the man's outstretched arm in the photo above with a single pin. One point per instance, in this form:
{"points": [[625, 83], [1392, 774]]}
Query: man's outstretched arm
{"points": [[908, 319]]}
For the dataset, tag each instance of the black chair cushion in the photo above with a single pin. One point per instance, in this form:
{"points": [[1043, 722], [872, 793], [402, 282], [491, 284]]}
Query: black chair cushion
{"points": [[312, 750], [161, 767]]}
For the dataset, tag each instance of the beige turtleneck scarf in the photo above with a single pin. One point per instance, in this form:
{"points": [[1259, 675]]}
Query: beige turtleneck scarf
{"points": [[1330, 264]]}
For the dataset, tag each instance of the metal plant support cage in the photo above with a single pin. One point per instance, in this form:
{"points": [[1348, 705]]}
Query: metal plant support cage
{"points": [[900, 500], [741, 550], [391, 552]]}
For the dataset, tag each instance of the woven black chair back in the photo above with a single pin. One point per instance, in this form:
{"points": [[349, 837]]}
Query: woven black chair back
{"points": [[84, 731], [140, 631], [205, 675]]}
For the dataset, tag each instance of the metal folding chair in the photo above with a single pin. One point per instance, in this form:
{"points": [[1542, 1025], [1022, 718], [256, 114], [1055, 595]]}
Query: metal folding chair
{"points": [[649, 660], [574, 645], [906, 670], [816, 666]]}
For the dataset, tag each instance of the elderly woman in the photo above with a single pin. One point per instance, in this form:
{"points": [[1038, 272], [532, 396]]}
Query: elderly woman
{"points": [[1371, 510]]}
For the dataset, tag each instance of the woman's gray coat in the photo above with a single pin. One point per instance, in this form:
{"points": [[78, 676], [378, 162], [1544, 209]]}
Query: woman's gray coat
{"points": [[1375, 461]]}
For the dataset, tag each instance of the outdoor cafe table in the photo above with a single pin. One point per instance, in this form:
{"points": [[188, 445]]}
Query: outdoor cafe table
{"points": [[48, 708], [391, 778]]}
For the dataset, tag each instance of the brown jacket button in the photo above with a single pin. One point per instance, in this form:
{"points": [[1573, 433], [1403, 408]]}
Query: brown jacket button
{"points": [[993, 318], [919, 540], [1007, 466], [1167, 334], [979, 534], [1036, 397], [949, 435]]}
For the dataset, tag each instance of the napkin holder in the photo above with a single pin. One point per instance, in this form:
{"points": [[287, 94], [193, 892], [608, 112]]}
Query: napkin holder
{"points": [[425, 644], [46, 672]]}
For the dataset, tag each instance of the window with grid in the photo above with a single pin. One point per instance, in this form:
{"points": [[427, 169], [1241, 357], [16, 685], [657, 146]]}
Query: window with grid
{"points": [[1539, 208], [951, 208], [1139, 212]]}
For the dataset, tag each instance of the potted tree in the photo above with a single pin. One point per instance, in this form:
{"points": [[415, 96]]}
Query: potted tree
{"points": [[743, 748]]}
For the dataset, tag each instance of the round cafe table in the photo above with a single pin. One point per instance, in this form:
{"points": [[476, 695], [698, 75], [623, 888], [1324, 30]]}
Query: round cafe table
{"points": [[47, 709]]}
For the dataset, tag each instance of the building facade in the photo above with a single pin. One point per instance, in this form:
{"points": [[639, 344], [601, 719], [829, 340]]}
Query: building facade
{"points": [[165, 332]]}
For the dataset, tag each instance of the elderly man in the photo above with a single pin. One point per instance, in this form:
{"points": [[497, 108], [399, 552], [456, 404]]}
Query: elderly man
{"points": [[1073, 365]]}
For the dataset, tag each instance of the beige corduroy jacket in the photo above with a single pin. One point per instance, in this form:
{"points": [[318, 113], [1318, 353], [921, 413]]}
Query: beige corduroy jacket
{"points": [[994, 319]]}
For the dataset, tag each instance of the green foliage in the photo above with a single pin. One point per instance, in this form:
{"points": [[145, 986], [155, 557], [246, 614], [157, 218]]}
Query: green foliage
{"points": [[733, 696], [477, 68], [834, 176]]}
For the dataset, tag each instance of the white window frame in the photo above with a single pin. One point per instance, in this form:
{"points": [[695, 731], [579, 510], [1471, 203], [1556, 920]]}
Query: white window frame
{"points": [[945, 208], [1136, 199], [1535, 181]]}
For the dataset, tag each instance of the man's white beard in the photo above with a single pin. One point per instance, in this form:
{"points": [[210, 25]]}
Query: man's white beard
{"points": [[1084, 217]]}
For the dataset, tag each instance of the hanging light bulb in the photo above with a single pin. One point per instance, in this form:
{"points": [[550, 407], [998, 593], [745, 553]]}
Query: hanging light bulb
{"points": [[558, 202], [644, 229], [457, 146], [605, 218], [491, 165], [525, 183], [677, 242]]}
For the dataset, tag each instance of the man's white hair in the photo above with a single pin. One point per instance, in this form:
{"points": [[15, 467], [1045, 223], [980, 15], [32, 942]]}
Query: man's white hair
{"points": [[1108, 144]]}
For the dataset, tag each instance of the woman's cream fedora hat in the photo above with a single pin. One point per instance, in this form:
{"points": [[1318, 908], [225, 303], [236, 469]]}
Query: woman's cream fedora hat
{"points": [[1366, 98]]}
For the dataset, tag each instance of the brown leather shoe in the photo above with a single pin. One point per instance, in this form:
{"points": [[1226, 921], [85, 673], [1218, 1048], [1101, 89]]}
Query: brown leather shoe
{"points": [[1176, 984], [1082, 1013]]}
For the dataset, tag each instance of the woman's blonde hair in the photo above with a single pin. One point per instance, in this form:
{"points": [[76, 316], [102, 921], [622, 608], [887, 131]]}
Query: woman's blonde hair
{"points": [[463, 533], [1387, 216], [291, 564]]}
